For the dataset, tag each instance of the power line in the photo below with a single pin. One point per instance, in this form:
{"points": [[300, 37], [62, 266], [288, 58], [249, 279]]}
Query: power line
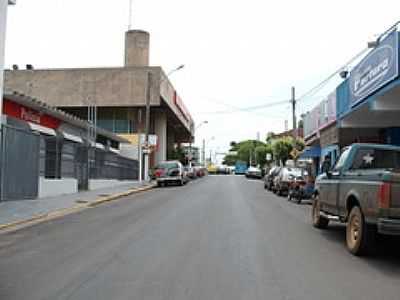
{"points": [[235, 109], [319, 86]]}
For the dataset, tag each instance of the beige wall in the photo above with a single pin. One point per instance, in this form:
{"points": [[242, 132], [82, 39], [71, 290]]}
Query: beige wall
{"points": [[101, 86], [80, 87]]}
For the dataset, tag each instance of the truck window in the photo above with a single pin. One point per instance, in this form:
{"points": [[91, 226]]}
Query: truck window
{"points": [[376, 159], [339, 165]]}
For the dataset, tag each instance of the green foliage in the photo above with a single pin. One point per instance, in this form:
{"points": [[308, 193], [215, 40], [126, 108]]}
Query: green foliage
{"points": [[254, 152], [249, 151], [230, 160], [282, 147], [178, 154]]}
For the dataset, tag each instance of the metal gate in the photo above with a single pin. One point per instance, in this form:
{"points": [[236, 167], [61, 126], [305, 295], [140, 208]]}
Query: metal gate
{"points": [[19, 164], [82, 167]]}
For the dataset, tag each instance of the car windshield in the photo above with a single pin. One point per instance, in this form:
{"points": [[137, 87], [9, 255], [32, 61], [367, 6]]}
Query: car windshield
{"points": [[167, 165], [296, 172]]}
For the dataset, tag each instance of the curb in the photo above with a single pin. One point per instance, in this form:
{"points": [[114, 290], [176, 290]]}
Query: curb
{"points": [[66, 211], [120, 195]]}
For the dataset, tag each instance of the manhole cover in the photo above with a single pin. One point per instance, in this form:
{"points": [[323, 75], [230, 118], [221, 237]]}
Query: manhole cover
{"points": [[103, 195]]}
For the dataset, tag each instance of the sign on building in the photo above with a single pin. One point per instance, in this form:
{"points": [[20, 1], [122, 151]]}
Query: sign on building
{"points": [[377, 69]]}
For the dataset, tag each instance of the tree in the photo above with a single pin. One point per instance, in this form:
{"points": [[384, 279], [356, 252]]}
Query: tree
{"points": [[178, 154], [284, 146], [230, 160], [281, 149]]}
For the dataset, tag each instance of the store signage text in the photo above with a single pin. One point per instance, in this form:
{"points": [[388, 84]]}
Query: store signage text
{"points": [[375, 70], [27, 114]]}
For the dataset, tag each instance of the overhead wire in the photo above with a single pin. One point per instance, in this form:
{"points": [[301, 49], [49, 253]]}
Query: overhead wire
{"points": [[235, 109]]}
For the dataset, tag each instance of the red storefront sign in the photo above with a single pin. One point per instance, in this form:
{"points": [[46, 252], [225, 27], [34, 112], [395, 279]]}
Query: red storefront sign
{"points": [[27, 114]]}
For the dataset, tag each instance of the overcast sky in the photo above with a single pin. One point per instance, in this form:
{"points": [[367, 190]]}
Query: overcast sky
{"points": [[237, 53]]}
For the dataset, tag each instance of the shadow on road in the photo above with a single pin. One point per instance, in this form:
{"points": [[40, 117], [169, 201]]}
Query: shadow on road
{"points": [[386, 258]]}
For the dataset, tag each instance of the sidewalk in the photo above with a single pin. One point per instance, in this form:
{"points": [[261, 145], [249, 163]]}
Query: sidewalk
{"points": [[21, 210]]}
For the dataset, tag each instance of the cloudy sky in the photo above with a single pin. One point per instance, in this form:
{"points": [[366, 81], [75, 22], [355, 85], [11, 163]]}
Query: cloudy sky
{"points": [[237, 53]]}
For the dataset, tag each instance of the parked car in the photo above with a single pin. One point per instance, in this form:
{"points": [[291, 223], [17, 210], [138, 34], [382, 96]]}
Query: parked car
{"points": [[170, 172], [363, 191], [269, 178], [286, 177], [200, 171], [191, 172], [253, 172]]}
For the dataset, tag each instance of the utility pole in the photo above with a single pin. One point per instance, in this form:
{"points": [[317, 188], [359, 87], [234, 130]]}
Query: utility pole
{"points": [[294, 112], [203, 152], [147, 129]]}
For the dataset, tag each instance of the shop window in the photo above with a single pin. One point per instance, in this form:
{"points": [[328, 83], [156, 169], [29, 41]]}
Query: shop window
{"points": [[68, 159], [52, 162]]}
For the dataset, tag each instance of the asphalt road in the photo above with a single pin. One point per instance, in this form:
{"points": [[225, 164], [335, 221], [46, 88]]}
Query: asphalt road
{"points": [[221, 237]]}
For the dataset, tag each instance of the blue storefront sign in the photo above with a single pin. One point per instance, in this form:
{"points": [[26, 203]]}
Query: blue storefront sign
{"points": [[378, 68]]}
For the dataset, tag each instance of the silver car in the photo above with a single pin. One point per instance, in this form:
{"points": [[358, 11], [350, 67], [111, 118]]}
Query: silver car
{"points": [[170, 172]]}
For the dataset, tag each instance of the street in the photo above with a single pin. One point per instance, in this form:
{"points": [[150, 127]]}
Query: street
{"points": [[220, 237]]}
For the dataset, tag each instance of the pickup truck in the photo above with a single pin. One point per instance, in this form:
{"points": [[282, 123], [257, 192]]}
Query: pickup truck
{"points": [[363, 191]]}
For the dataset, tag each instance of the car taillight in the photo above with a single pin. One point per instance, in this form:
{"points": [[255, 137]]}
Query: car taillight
{"points": [[158, 173], [384, 195]]}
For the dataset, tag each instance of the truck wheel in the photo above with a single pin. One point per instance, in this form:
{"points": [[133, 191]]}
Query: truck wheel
{"points": [[318, 221], [360, 238], [159, 184]]}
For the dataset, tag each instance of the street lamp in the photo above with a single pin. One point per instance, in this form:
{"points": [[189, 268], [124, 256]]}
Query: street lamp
{"points": [[190, 144], [176, 69], [204, 149], [147, 124]]}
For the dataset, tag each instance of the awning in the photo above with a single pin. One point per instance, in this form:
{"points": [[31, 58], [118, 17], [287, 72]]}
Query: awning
{"points": [[72, 137], [41, 129], [314, 151]]}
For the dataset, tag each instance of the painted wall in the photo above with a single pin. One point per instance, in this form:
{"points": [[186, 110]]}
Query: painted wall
{"points": [[80, 87], [320, 116], [95, 184], [3, 21], [57, 187]]}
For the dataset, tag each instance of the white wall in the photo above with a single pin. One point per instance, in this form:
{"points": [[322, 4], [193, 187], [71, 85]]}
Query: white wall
{"points": [[161, 132], [3, 20], [57, 187], [95, 184], [129, 150]]}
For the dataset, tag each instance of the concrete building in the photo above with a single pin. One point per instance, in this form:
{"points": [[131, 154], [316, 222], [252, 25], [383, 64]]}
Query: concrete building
{"points": [[119, 94]]}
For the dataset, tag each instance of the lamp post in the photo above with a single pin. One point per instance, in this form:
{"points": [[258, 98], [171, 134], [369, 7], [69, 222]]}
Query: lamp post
{"points": [[204, 149], [146, 151], [190, 144]]}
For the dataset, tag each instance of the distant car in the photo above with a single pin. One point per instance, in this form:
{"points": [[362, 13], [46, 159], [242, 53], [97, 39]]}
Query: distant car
{"points": [[212, 169], [286, 177], [269, 177], [170, 172], [222, 170], [240, 167], [253, 172], [191, 172]]}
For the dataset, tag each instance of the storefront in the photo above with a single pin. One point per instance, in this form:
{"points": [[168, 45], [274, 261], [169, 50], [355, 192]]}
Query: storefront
{"points": [[368, 101], [46, 152]]}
